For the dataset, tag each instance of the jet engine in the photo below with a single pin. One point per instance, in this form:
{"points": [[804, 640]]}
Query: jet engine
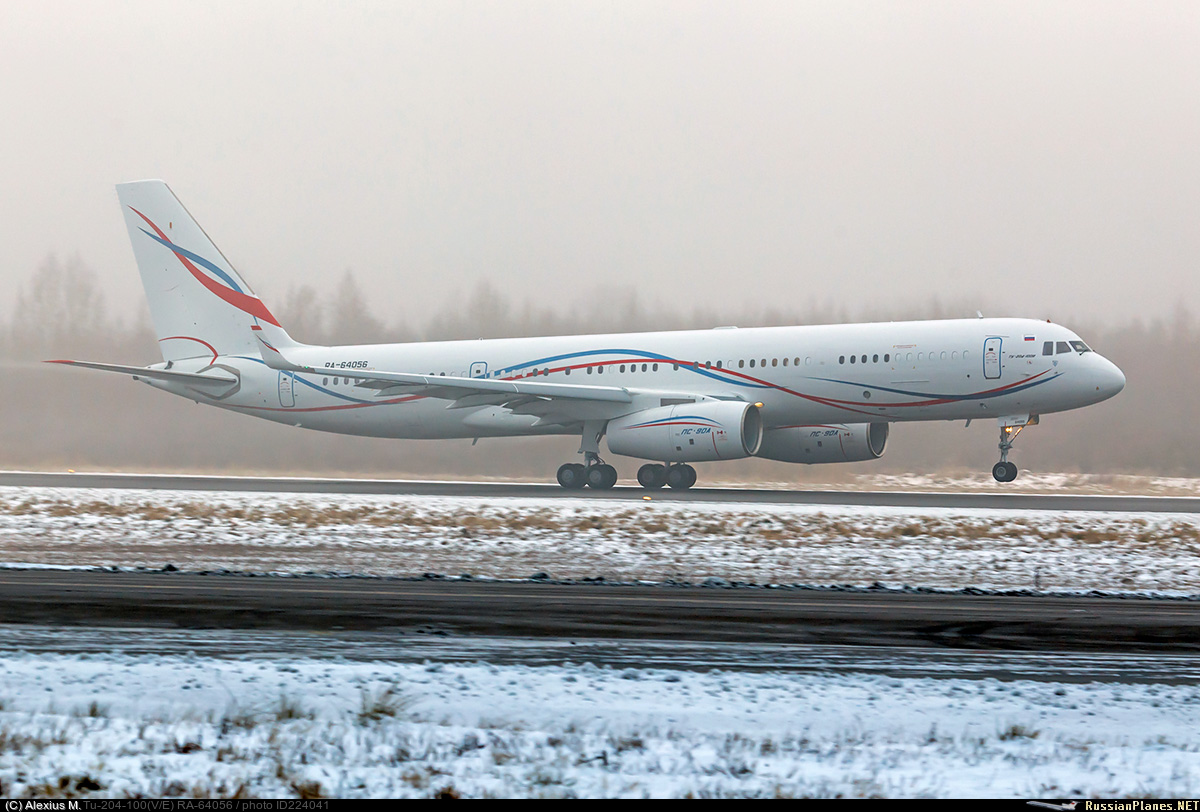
{"points": [[689, 432], [825, 443]]}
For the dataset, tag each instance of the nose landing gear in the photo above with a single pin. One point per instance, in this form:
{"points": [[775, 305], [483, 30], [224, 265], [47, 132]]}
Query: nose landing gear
{"points": [[1010, 427]]}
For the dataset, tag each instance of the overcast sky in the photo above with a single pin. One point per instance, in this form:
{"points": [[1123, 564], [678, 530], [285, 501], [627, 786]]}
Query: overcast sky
{"points": [[1044, 156]]}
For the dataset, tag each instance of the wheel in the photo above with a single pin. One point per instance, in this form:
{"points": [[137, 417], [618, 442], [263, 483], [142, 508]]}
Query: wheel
{"points": [[1004, 471], [572, 476], [681, 477], [652, 476], [601, 477]]}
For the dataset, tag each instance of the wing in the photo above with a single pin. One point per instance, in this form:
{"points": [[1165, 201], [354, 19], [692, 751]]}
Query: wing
{"points": [[554, 403]]}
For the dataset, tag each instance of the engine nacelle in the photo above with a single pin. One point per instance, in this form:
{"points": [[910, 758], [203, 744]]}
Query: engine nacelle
{"points": [[825, 443], [689, 432]]}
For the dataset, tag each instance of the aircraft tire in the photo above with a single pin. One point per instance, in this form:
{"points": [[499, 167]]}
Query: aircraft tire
{"points": [[652, 476], [1004, 471], [601, 477], [681, 477], [572, 476]]}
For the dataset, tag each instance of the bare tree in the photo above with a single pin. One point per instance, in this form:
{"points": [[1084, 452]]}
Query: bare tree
{"points": [[352, 321], [60, 310]]}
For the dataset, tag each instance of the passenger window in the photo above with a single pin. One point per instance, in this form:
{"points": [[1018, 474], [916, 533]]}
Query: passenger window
{"points": [[741, 363], [875, 358], [675, 367], [796, 361], [752, 363], [764, 362], [774, 362], [324, 382], [853, 358], [943, 355], [656, 367], [600, 369], [589, 370], [841, 359], [1062, 346], [643, 367], [718, 364], [567, 371], [886, 357], [785, 361]]}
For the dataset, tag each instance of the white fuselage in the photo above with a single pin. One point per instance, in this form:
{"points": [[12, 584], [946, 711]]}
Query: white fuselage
{"points": [[848, 373]]}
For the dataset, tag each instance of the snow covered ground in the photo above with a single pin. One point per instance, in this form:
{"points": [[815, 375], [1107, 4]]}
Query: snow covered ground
{"points": [[579, 538], [113, 724]]}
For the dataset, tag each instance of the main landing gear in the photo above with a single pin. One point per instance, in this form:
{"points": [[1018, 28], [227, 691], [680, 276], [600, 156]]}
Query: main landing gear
{"points": [[653, 476], [601, 476], [597, 474]]}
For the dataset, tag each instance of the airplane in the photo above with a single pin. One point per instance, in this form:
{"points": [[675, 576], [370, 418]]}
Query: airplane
{"points": [[801, 394]]}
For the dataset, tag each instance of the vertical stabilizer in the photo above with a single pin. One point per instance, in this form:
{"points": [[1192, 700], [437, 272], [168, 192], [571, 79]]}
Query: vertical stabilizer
{"points": [[200, 305]]}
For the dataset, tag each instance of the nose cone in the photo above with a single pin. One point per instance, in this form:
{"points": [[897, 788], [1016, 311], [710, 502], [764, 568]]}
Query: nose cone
{"points": [[1109, 378]]}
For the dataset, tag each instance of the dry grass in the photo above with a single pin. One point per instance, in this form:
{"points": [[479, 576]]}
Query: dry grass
{"points": [[656, 540], [486, 522]]}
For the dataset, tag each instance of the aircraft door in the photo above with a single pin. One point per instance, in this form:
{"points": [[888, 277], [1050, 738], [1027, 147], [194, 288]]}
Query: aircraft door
{"points": [[478, 369], [287, 396], [991, 358]]}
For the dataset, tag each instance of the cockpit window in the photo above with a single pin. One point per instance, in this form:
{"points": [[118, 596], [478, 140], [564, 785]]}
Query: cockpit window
{"points": [[1080, 347], [1048, 348], [1063, 347]]}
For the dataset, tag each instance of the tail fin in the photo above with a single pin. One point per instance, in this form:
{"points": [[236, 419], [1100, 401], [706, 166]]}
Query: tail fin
{"points": [[199, 303]]}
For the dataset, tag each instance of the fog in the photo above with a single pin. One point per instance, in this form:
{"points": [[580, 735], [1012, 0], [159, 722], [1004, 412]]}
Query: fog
{"points": [[1030, 158], [385, 171]]}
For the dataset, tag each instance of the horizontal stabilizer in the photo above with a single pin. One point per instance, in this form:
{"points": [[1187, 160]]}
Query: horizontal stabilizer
{"points": [[203, 381]]}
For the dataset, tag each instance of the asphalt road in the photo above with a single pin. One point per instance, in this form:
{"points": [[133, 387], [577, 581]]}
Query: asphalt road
{"points": [[1004, 501], [594, 611]]}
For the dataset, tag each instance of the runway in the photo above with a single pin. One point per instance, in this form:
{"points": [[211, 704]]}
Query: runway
{"points": [[493, 490], [591, 611]]}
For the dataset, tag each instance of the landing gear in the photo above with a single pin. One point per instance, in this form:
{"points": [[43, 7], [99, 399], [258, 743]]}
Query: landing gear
{"points": [[681, 476], [652, 476], [596, 474], [601, 477], [572, 476], [1005, 471]]}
